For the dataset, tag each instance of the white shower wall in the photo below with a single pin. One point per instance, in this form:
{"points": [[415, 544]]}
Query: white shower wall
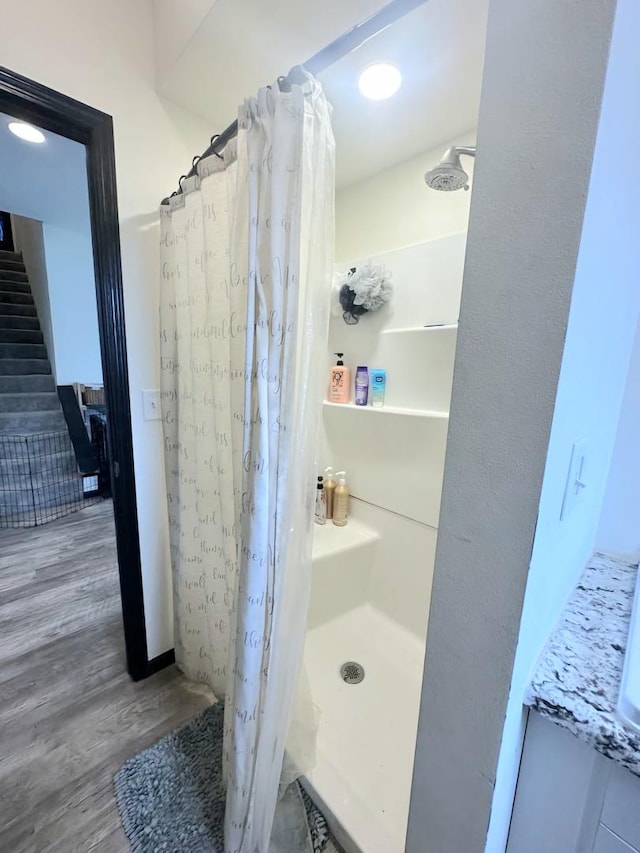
{"points": [[420, 236], [395, 209], [394, 456], [399, 582]]}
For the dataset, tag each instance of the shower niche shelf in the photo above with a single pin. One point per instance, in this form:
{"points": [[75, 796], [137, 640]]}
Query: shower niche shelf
{"points": [[329, 540], [387, 410], [436, 327]]}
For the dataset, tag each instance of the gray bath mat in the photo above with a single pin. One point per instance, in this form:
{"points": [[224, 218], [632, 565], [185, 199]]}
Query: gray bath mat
{"points": [[171, 797]]}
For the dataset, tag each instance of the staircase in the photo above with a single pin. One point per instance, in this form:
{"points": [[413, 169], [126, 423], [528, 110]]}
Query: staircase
{"points": [[37, 473]]}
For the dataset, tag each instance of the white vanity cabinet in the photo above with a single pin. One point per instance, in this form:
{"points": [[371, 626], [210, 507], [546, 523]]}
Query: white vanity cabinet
{"points": [[571, 799]]}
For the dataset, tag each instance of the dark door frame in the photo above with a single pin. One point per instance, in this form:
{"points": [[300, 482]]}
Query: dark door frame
{"points": [[34, 103]]}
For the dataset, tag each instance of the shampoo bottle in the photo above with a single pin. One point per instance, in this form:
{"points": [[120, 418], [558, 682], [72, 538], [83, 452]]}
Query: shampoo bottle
{"points": [[362, 386], [329, 490], [339, 382], [341, 500]]}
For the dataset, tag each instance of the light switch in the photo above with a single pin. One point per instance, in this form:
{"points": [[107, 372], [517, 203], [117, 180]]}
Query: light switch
{"points": [[151, 404], [576, 485]]}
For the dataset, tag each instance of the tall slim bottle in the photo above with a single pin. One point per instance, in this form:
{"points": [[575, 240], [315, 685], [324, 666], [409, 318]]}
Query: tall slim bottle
{"points": [[321, 503], [329, 490]]}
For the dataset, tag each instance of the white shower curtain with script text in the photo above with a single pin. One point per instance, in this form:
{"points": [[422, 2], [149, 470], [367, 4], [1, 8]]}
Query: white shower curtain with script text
{"points": [[246, 254]]}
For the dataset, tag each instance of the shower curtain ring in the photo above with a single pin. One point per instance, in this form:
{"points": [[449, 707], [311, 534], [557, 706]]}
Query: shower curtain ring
{"points": [[212, 141]]}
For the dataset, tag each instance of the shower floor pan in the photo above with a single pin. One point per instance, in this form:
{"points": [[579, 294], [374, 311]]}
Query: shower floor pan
{"points": [[367, 731]]}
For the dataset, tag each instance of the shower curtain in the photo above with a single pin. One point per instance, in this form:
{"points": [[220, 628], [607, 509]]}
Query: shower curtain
{"points": [[246, 262]]}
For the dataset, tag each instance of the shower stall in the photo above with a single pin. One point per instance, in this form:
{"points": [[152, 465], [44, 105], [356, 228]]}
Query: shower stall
{"points": [[371, 580]]}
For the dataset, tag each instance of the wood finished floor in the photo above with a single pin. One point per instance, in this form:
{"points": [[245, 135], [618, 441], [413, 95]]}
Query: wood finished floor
{"points": [[69, 714]]}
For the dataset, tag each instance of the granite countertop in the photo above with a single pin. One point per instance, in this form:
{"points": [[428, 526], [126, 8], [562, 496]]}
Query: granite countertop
{"points": [[577, 679]]}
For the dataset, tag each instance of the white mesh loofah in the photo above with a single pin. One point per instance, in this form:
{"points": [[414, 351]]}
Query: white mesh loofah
{"points": [[363, 289]]}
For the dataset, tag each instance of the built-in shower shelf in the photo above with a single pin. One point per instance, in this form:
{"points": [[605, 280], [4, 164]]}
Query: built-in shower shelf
{"points": [[328, 539], [444, 327], [387, 410]]}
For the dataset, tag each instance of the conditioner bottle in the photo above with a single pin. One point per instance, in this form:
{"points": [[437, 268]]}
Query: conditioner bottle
{"points": [[341, 500], [329, 490]]}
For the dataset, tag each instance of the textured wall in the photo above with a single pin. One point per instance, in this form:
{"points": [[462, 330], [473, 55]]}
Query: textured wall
{"points": [[526, 216], [599, 340]]}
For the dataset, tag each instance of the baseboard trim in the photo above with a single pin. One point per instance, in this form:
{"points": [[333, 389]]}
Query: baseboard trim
{"points": [[161, 662]]}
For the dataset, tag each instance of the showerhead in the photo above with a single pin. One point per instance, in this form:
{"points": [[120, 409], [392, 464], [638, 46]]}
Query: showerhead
{"points": [[449, 175], [447, 178]]}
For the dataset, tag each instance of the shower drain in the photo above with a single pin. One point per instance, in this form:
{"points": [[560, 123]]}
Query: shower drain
{"points": [[352, 672]]}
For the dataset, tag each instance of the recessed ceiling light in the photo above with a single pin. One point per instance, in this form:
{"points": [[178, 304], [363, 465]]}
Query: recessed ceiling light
{"points": [[26, 131], [379, 81]]}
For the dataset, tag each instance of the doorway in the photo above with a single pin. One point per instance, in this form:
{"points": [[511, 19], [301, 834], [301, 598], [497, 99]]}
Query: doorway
{"points": [[38, 105]]}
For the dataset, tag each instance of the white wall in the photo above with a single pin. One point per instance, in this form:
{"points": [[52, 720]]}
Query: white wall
{"points": [[102, 54], [396, 208], [72, 298], [619, 530], [175, 24], [522, 251], [29, 239]]}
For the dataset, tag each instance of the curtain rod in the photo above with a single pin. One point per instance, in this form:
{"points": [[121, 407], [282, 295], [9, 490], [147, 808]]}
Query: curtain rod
{"points": [[325, 58]]}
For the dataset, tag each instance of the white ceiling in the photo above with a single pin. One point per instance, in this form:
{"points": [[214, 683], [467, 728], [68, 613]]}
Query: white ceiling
{"points": [[241, 45], [47, 181]]}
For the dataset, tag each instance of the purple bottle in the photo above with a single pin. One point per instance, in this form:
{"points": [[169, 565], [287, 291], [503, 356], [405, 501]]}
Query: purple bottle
{"points": [[362, 386]]}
